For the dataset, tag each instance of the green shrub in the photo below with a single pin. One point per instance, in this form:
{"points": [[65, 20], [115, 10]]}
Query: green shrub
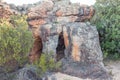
{"points": [[19, 21], [46, 63], [15, 42], [5, 23], [107, 20]]}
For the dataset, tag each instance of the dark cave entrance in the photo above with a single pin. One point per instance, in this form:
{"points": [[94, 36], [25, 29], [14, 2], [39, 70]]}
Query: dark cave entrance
{"points": [[60, 47], [38, 46]]}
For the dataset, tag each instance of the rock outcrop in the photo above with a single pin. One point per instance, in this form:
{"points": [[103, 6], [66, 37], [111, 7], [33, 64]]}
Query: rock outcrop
{"points": [[5, 11], [60, 27], [13, 9], [28, 73], [54, 13]]}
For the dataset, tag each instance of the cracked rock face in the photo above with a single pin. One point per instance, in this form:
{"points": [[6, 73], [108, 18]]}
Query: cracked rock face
{"points": [[59, 26]]}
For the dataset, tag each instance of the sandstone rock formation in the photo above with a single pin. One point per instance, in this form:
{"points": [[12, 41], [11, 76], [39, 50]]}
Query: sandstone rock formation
{"points": [[59, 26], [5, 11], [55, 13]]}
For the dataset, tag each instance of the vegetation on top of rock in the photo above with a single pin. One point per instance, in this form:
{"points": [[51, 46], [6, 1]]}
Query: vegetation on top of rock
{"points": [[15, 42], [107, 20]]}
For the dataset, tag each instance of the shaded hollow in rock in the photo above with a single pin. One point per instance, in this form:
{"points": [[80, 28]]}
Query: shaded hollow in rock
{"points": [[36, 50], [60, 47]]}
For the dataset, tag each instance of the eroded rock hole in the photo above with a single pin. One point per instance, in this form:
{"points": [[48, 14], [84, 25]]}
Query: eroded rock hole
{"points": [[60, 47], [38, 46], [36, 50]]}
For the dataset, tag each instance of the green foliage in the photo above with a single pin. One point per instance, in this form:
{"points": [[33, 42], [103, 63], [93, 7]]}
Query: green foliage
{"points": [[5, 23], [15, 42], [19, 21], [107, 20], [46, 63]]}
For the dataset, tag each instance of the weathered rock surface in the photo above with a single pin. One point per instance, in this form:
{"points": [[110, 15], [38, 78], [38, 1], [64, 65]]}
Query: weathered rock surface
{"points": [[21, 9], [28, 73], [5, 11], [82, 42], [60, 27], [54, 12]]}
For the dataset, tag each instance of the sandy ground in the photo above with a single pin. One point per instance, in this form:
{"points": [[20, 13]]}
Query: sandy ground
{"points": [[113, 68]]}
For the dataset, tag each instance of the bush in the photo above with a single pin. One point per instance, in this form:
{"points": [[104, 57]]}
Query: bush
{"points": [[107, 20], [15, 42], [19, 21], [46, 63]]}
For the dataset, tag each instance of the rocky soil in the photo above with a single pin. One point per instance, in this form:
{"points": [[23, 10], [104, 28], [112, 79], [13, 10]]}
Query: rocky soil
{"points": [[113, 68]]}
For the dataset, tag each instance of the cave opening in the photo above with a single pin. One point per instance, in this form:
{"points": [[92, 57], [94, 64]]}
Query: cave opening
{"points": [[38, 46], [60, 47], [36, 50]]}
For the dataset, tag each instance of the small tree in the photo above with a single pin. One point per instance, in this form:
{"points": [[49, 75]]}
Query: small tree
{"points": [[15, 42]]}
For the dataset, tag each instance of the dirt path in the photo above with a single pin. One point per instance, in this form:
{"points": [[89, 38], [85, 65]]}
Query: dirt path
{"points": [[114, 69]]}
